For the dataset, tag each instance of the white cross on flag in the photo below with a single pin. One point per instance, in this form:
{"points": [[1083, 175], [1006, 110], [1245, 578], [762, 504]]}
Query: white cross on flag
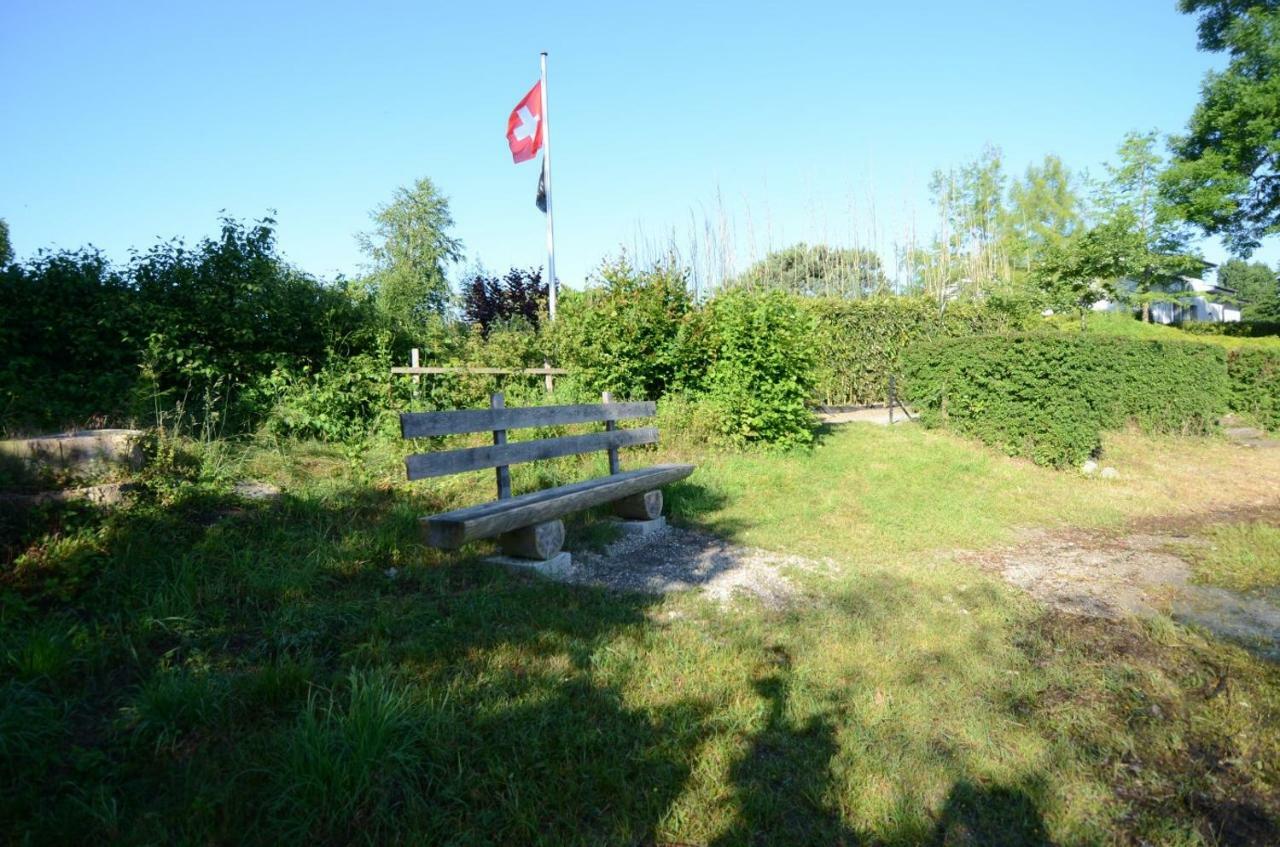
{"points": [[524, 127]]}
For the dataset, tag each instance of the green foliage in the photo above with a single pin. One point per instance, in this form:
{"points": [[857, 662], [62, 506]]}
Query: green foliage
{"points": [[64, 358], [409, 248], [1255, 384], [1044, 208], [1256, 287], [1269, 329], [628, 334], [818, 271], [859, 342], [1049, 397], [82, 340], [763, 361], [1226, 172], [343, 401], [1085, 268], [6, 246]]}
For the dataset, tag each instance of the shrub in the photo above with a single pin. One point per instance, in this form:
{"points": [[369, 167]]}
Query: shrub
{"points": [[1254, 376], [860, 342], [1050, 396], [64, 357], [627, 335], [343, 401], [81, 339], [762, 363]]}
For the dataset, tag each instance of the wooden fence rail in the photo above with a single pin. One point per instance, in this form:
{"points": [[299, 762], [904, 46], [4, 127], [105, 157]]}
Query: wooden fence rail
{"points": [[416, 371]]}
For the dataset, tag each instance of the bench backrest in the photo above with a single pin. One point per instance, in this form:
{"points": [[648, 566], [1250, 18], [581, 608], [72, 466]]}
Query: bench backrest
{"points": [[498, 419]]}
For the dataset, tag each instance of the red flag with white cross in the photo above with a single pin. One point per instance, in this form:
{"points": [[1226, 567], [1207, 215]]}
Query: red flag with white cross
{"points": [[524, 127]]}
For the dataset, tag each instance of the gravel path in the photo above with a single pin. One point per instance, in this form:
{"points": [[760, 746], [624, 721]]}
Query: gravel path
{"points": [[677, 559]]}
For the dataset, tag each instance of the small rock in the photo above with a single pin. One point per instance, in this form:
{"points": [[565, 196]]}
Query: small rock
{"points": [[256, 491], [1089, 468], [1110, 473], [392, 573]]}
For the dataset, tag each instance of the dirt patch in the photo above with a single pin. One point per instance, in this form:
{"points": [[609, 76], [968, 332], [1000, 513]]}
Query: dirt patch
{"points": [[1113, 575], [677, 559]]}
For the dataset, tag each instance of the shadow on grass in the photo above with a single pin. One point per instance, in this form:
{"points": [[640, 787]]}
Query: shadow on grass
{"points": [[216, 670]]}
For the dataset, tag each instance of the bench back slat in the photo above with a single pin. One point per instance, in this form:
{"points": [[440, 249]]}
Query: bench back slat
{"points": [[423, 465], [427, 424]]}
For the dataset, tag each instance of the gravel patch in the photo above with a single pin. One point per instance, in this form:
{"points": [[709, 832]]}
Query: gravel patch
{"points": [[677, 559]]}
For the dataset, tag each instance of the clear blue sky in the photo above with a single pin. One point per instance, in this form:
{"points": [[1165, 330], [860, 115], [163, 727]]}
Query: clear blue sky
{"points": [[128, 121]]}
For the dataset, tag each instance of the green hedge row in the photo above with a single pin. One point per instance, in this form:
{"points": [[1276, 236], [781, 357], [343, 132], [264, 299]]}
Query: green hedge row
{"points": [[1235, 329], [1049, 397], [860, 342], [1254, 376]]}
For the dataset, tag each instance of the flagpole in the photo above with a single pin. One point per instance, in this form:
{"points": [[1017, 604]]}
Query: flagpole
{"points": [[546, 165]]}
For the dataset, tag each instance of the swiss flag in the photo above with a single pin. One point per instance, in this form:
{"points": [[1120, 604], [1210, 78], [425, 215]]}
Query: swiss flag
{"points": [[524, 127]]}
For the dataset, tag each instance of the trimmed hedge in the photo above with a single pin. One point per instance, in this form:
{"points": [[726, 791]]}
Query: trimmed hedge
{"points": [[859, 342], [1049, 397], [1255, 384], [1235, 329]]}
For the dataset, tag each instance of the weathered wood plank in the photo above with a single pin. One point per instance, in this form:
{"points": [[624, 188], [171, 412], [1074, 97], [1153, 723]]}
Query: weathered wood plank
{"points": [[610, 426], [496, 401], [453, 529], [413, 369], [428, 424], [423, 465]]}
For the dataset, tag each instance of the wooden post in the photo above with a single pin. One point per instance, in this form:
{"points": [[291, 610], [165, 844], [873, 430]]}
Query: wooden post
{"points": [[893, 396], [610, 426], [413, 363], [496, 401], [550, 380]]}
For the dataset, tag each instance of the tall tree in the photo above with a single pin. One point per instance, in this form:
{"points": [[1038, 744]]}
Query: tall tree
{"points": [[1217, 16], [1131, 195], [6, 248], [817, 270], [1080, 270], [1043, 209], [1256, 286], [1225, 177], [409, 247], [970, 201]]}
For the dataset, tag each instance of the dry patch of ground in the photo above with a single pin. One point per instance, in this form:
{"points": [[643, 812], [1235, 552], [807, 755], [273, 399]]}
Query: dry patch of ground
{"points": [[676, 559], [1135, 572]]}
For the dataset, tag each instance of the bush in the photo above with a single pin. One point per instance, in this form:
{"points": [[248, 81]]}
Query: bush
{"points": [[762, 364], [628, 335], [64, 357], [344, 401], [1254, 376], [1049, 397], [860, 342], [81, 340]]}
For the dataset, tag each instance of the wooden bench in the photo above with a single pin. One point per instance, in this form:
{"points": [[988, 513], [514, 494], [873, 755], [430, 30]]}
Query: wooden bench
{"points": [[529, 526]]}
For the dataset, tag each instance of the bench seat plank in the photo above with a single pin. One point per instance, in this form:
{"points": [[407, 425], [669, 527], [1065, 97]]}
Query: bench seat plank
{"points": [[451, 530], [423, 465], [428, 424]]}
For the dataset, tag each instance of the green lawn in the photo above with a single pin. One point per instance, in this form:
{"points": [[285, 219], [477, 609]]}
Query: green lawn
{"points": [[197, 669], [1241, 557]]}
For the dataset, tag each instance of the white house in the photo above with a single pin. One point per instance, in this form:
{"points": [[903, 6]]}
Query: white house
{"points": [[1199, 301]]}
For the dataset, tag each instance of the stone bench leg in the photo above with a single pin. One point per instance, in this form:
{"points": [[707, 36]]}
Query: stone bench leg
{"points": [[640, 507], [541, 541]]}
